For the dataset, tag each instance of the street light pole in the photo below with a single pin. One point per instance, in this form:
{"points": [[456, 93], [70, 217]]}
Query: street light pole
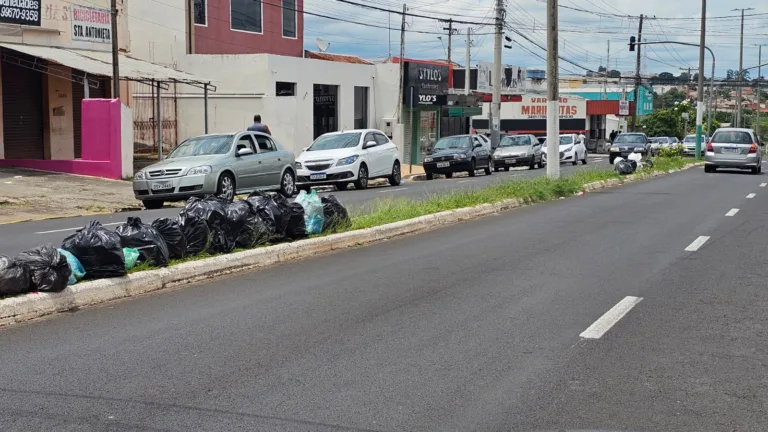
{"points": [[759, 62], [553, 106], [496, 105], [741, 71], [700, 95]]}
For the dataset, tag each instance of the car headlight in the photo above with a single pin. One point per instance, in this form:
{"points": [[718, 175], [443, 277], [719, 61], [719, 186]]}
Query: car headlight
{"points": [[201, 170], [347, 160], [428, 159], [139, 176], [614, 149], [298, 165], [639, 149], [460, 156]]}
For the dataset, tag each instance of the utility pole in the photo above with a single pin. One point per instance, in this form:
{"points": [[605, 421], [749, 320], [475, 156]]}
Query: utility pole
{"points": [[741, 72], [700, 90], [553, 106], [467, 68], [607, 68], [759, 70], [496, 81], [402, 67], [115, 53], [637, 74], [450, 34]]}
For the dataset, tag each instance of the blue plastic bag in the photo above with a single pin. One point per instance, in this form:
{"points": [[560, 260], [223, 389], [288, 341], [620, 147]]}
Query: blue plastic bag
{"points": [[78, 271], [313, 212]]}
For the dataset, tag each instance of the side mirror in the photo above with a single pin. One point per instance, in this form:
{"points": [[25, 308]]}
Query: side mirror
{"points": [[244, 152], [369, 144]]}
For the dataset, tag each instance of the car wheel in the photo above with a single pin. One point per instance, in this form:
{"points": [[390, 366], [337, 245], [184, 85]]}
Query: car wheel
{"points": [[153, 204], [396, 178], [430, 176], [754, 170], [533, 164], [362, 178], [288, 184], [575, 161], [489, 168], [472, 168], [226, 187], [506, 168], [448, 175], [610, 160], [341, 186], [497, 169]]}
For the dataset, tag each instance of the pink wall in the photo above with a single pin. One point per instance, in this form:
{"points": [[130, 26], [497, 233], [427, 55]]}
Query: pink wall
{"points": [[101, 141]]}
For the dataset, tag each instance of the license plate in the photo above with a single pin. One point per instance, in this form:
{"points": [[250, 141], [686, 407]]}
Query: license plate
{"points": [[162, 186], [320, 176], [624, 154], [730, 150], [510, 161], [443, 164]]}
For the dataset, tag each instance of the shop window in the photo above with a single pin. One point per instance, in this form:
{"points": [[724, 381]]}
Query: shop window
{"points": [[325, 109], [246, 15], [285, 88], [201, 12], [289, 18], [361, 107]]}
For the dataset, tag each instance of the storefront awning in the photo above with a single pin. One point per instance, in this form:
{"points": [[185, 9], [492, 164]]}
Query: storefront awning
{"points": [[100, 63]]}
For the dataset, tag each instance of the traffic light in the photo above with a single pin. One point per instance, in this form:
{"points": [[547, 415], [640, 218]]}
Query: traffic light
{"points": [[632, 43]]}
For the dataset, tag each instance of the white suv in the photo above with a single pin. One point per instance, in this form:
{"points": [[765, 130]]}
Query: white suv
{"points": [[341, 158]]}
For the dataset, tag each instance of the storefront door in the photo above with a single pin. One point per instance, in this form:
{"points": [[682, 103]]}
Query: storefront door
{"points": [[325, 110]]}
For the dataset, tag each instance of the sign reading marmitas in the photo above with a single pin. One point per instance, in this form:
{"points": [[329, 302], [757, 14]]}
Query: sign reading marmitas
{"points": [[535, 107], [92, 25]]}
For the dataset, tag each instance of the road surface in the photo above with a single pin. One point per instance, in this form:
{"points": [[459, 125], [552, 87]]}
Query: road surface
{"points": [[19, 237], [637, 308]]}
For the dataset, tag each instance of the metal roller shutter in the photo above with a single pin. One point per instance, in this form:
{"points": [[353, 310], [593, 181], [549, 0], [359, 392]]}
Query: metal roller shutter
{"points": [[22, 111], [78, 94]]}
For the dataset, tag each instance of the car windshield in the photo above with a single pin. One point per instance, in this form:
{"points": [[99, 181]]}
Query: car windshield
{"points": [[690, 139], [515, 141], [203, 146], [629, 139], [335, 141], [567, 139], [732, 137], [454, 142]]}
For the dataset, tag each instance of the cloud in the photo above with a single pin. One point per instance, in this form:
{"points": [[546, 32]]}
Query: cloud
{"points": [[583, 36]]}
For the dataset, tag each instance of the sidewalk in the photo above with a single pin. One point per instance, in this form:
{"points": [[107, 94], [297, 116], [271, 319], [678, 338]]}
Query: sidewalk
{"points": [[34, 195]]}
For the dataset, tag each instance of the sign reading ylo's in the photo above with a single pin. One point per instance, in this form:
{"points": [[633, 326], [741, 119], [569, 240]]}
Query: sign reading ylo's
{"points": [[91, 25], [24, 12]]}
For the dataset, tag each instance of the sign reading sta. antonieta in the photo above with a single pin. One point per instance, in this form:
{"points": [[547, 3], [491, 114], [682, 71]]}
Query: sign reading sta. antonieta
{"points": [[428, 81], [91, 25], [24, 12]]}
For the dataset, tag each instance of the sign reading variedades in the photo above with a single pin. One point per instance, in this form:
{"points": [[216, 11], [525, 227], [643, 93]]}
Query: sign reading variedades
{"points": [[428, 81], [535, 107], [92, 25], [24, 12]]}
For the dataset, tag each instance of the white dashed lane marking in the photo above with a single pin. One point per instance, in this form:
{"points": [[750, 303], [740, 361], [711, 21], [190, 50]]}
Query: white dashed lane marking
{"points": [[610, 318], [763, 184], [73, 229], [751, 195], [732, 212], [699, 242]]}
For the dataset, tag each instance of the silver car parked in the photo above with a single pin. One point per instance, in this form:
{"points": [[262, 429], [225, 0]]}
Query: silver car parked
{"points": [[219, 164], [734, 148]]}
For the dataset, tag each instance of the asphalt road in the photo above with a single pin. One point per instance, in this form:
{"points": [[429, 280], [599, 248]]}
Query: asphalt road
{"points": [[19, 237], [474, 327]]}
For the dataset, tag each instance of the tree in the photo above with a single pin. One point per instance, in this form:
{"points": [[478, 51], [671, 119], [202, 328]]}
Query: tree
{"points": [[614, 74], [661, 123], [724, 93], [730, 75], [684, 78], [672, 97], [666, 76], [601, 69]]}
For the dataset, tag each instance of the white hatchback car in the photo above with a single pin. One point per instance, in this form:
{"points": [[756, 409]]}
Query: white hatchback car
{"points": [[572, 149], [354, 156]]}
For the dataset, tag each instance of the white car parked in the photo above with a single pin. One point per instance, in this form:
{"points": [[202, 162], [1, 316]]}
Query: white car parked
{"points": [[572, 149], [341, 158]]}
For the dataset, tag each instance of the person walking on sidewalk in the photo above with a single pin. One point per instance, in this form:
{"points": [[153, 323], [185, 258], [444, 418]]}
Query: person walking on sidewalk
{"points": [[257, 126]]}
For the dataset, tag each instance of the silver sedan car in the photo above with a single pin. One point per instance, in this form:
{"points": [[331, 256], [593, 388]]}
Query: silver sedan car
{"points": [[219, 164], [734, 148]]}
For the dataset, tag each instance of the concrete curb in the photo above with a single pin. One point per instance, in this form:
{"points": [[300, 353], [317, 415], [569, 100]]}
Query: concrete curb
{"points": [[31, 306]]}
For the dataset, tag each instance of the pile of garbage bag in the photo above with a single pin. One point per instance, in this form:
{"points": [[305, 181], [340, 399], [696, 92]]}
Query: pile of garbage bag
{"points": [[208, 225]]}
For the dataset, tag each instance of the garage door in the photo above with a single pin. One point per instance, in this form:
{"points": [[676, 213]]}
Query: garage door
{"points": [[22, 111]]}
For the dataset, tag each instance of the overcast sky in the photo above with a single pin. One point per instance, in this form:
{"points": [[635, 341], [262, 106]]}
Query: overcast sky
{"points": [[583, 36]]}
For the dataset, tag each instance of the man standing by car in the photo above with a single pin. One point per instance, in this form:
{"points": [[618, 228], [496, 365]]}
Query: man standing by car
{"points": [[257, 126]]}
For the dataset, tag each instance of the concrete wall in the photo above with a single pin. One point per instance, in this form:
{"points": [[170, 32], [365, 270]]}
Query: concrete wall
{"points": [[126, 141], [58, 128]]}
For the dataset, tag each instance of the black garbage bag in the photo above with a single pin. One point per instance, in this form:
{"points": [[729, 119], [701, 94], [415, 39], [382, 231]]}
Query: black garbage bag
{"points": [[214, 211], [98, 250], [49, 270], [296, 225], [174, 237], [196, 233], [272, 211], [147, 240], [625, 167], [14, 277], [649, 163], [250, 230], [336, 216]]}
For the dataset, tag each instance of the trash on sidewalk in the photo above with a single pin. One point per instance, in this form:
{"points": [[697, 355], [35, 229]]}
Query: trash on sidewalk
{"points": [[272, 212], [313, 211], [98, 250], [77, 270], [173, 236], [296, 227], [335, 215], [213, 210], [14, 277], [131, 257], [196, 233], [147, 240], [249, 230], [623, 166], [48, 269]]}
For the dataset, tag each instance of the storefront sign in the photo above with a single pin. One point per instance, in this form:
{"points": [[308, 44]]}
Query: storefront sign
{"points": [[428, 83], [623, 108], [512, 82], [24, 12], [535, 107], [484, 84], [325, 100], [91, 25]]}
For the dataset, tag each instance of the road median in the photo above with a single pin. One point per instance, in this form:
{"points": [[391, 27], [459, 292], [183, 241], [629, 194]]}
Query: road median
{"points": [[391, 219]]}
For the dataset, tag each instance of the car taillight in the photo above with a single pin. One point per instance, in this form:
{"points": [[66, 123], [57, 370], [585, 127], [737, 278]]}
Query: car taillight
{"points": [[753, 148], [709, 147]]}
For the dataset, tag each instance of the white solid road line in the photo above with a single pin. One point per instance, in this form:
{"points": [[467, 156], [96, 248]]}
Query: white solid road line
{"points": [[763, 184], [699, 242], [751, 195], [610, 318], [74, 229], [465, 181], [732, 212], [392, 190]]}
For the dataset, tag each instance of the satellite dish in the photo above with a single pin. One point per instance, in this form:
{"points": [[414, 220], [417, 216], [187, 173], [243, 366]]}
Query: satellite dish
{"points": [[322, 45]]}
